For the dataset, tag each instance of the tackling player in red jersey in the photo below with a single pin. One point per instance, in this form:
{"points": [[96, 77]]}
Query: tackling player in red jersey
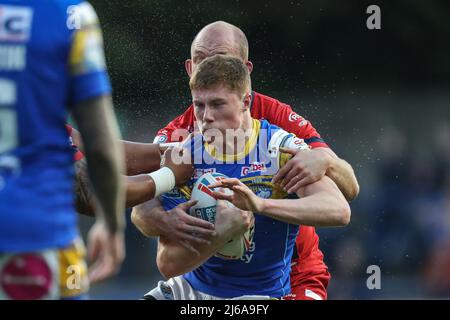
{"points": [[309, 274]]}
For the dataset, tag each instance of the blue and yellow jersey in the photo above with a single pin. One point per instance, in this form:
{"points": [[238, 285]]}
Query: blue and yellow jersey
{"points": [[51, 59], [264, 269]]}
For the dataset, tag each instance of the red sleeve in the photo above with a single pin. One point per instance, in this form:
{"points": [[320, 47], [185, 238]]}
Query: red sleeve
{"points": [[177, 129], [282, 115], [77, 154], [309, 273]]}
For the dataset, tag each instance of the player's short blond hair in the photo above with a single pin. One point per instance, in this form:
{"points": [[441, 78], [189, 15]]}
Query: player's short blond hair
{"points": [[221, 69]]}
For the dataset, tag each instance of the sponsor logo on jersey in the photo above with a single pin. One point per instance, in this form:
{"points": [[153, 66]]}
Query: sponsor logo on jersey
{"points": [[175, 193], [294, 117], [15, 23], [167, 292], [161, 139], [12, 57], [8, 89], [199, 172], [248, 256], [254, 167], [297, 141]]}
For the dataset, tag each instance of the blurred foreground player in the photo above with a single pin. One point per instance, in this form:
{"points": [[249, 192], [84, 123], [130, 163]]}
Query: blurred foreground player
{"points": [[52, 58]]}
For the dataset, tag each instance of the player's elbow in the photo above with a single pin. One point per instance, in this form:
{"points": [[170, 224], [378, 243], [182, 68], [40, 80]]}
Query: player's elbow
{"points": [[138, 219], [342, 214], [353, 192], [166, 267]]}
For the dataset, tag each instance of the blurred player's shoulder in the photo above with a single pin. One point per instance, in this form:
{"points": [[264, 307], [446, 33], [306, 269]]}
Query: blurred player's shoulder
{"points": [[61, 5], [78, 14]]}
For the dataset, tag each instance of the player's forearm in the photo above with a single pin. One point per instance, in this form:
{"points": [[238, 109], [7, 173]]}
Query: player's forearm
{"points": [[139, 189], [104, 154], [83, 195], [320, 210], [141, 157], [341, 172], [107, 182]]}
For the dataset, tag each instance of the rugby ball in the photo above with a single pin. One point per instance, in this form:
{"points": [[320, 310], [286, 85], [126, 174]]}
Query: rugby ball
{"points": [[206, 209]]}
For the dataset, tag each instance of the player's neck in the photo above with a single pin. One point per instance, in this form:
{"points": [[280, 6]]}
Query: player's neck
{"points": [[237, 142]]}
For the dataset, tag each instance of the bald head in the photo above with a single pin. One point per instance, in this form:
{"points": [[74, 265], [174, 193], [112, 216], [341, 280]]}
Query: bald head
{"points": [[220, 38]]}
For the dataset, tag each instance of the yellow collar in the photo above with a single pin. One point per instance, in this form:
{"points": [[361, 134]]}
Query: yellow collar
{"points": [[251, 143]]}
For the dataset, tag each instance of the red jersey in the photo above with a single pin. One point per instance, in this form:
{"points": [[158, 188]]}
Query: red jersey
{"points": [[309, 274]]}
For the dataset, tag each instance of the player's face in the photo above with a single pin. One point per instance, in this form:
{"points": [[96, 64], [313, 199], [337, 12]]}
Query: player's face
{"points": [[218, 109]]}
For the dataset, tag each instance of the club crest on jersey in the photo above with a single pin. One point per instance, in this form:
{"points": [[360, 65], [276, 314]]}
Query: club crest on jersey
{"points": [[175, 193], [264, 193], [199, 172], [254, 167]]}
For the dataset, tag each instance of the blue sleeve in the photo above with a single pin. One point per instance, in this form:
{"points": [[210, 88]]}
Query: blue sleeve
{"points": [[87, 67], [89, 86], [171, 199]]}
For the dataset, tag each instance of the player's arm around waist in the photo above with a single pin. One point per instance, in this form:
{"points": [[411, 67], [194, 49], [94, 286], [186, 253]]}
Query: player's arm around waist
{"points": [[173, 259], [320, 204]]}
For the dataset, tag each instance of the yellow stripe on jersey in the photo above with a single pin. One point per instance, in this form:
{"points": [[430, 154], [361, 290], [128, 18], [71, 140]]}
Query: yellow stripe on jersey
{"points": [[250, 144], [87, 51], [186, 191], [283, 159]]}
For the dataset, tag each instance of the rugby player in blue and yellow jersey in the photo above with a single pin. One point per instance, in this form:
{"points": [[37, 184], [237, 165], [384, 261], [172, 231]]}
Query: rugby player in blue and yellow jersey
{"points": [[236, 145]]}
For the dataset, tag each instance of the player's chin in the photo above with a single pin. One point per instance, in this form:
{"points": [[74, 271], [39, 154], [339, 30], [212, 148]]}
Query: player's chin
{"points": [[209, 138]]}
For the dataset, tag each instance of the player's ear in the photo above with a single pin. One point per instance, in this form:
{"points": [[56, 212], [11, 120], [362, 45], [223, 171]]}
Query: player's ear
{"points": [[247, 101], [249, 65], [188, 67]]}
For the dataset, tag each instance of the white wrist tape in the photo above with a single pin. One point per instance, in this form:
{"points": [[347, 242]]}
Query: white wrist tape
{"points": [[171, 144], [164, 180]]}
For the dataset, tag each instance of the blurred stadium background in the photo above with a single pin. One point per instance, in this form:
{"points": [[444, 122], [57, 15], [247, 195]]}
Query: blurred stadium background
{"points": [[380, 98]]}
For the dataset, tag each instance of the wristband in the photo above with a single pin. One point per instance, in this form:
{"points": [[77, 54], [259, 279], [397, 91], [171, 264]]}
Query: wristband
{"points": [[164, 180]]}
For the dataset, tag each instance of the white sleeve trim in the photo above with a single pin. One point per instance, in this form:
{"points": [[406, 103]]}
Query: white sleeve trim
{"points": [[312, 295]]}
